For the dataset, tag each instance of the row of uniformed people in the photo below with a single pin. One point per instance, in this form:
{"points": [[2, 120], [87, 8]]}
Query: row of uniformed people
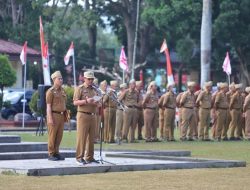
{"points": [[229, 110]]}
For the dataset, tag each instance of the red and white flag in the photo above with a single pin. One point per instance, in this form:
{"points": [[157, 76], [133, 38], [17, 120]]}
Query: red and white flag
{"points": [[45, 56], [164, 48], [69, 54], [123, 60], [226, 65], [23, 55]]}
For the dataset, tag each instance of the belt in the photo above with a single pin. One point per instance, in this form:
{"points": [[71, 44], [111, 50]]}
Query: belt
{"points": [[236, 108], [58, 112], [169, 108], [188, 107], [88, 113], [131, 106], [150, 108], [206, 108]]}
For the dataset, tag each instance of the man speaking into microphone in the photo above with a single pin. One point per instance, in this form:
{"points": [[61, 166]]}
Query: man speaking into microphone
{"points": [[86, 119]]}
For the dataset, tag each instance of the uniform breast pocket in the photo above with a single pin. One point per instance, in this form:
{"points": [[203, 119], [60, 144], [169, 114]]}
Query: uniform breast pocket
{"points": [[56, 99]]}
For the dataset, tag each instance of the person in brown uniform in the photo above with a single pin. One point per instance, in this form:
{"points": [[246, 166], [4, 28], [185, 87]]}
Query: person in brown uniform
{"points": [[178, 105], [221, 106], [86, 119], [213, 111], [119, 116], [196, 111], [246, 110], [56, 106], [229, 93], [140, 120], [235, 107], [130, 98], [163, 134], [188, 116], [110, 112], [204, 103], [150, 105], [169, 103]]}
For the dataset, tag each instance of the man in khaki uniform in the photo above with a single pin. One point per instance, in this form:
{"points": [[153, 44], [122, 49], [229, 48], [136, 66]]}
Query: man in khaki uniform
{"points": [[213, 111], [188, 115], [86, 119], [235, 107], [150, 105], [231, 90], [169, 103], [246, 110], [119, 116], [56, 106], [178, 105], [110, 112], [204, 103], [221, 106], [163, 134], [140, 120], [130, 98]]}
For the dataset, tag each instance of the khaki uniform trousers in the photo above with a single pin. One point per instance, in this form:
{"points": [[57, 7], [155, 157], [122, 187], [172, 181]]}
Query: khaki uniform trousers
{"points": [[161, 124], [119, 124], [225, 129], [221, 125], [180, 119], [169, 123], [214, 118], [150, 122], [129, 123], [204, 122], [247, 124], [140, 123], [188, 123], [235, 123], [195, 129], [109, 124], [55, 133], [85, 136]]}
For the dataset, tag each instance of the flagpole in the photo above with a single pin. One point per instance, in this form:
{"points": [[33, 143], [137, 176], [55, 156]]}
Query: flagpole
{"points": [[228, 79], [74, 70], [123, 76], [24, 98]]}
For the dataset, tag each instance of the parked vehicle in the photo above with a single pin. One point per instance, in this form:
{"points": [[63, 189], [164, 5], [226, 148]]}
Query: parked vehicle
{"points": [[13, 104]]}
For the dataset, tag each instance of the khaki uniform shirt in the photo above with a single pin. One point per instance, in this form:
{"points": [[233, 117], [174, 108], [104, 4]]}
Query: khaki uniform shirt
{"points": [[131, 98], [151, 100], [204, 99], [140, 99], [83, 92], [178, 100], [169, 100], [57, 98], [160, 102], [187, 100], [107, 100], [246, 105], [236, 101], [221, 101]]}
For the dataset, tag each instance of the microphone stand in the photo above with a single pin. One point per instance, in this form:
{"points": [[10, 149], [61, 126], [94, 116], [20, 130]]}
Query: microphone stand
{"points": [[101, 93]]}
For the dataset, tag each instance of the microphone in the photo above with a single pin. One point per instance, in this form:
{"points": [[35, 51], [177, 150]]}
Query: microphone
{"points": [[98, 90]]}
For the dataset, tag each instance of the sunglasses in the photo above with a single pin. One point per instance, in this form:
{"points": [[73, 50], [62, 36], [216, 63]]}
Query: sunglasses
{"points": [[90, 79]]}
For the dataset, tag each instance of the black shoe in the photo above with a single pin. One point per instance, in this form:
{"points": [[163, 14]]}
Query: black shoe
{"points": [[81, 161], [238, 139], [148, 140], [92, 161], [183, 139], [59, 156], [53, 158], [231, 138], [207, 139], [156, 140], [190, 139]]}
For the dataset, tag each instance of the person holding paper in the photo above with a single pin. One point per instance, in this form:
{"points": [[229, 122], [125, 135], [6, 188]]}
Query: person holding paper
{"points": [[86, 119]]}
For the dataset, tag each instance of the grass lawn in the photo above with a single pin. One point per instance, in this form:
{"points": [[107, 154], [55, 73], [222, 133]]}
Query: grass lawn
{"points": [[228, 179]]}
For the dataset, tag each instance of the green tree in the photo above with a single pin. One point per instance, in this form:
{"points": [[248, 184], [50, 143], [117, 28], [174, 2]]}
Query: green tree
{"points": [[7, 75]]}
